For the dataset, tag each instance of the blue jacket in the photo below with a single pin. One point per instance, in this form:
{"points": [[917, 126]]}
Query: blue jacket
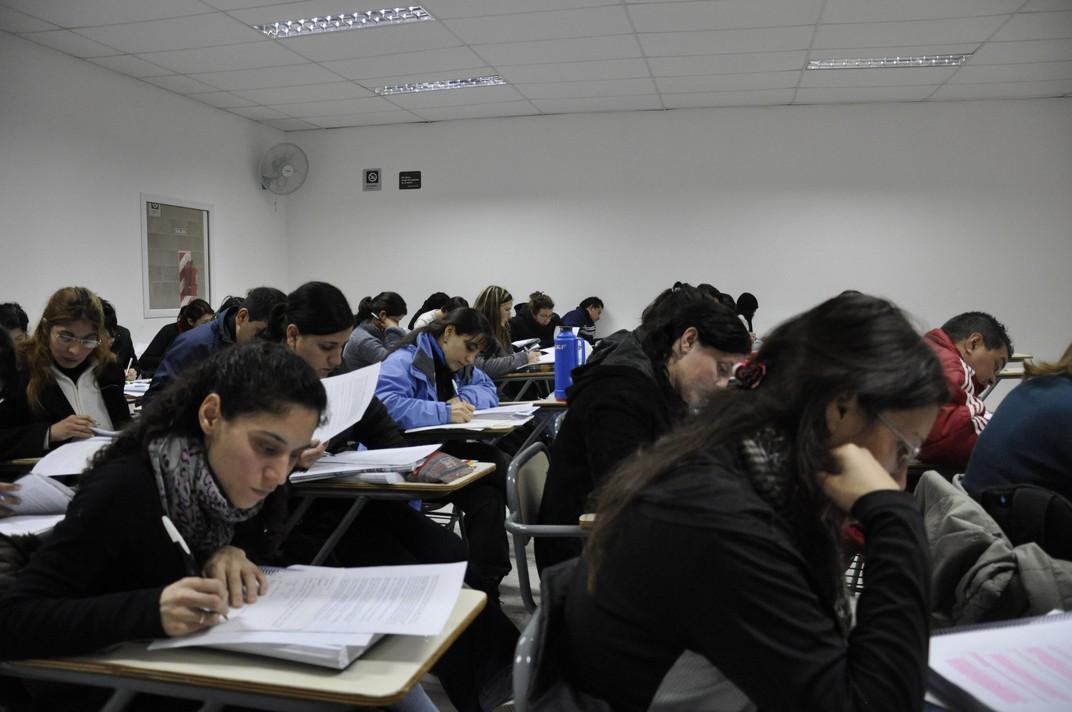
{"points": [[407, 386], [191, 347], [579, 317]]}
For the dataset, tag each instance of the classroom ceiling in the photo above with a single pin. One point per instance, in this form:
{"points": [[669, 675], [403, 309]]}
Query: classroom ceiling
{"points": [[559, 56]]}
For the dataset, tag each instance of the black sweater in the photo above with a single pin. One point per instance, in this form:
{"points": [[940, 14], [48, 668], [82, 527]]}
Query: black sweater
{"points": [[701, 562], [156, 349]]}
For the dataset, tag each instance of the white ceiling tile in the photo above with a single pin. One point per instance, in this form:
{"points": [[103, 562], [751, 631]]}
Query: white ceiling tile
{"points": [[258, 113], [1044, 6], [456, 97], [570, 50], [1036, 26], [856, 95], [70, 43], [304, 92], [373, 83], [180, 84], [1004, 90], [444, 9], [1025, 51], [762, 97], [530, 26], [724, 15], [335, 108], [249, 55], [893, 51], [221, 99], [287, 76], [876, 77], [391, 39], [407, 63], [176, 33], [238, 4], [1027, 72], [477, 111], [369, 119], [698, 64], [886, 11], [14, 22], [575, 71], [776, 39], [130, 65], [605, 87], [289, 124], [598, 103], [728, 82], [83, 13], [907, 34]]}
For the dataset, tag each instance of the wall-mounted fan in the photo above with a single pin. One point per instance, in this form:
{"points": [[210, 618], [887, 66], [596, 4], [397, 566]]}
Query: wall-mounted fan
{"points": [[283, 168]]}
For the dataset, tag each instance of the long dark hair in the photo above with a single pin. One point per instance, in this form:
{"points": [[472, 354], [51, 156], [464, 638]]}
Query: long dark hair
{"points": [[9, 375], [854, 344], [259, 377], [194, 310], [390, 302], [435, 300], [747, 304], [488, 303], [317, 308], [13, 317], [466, 322], [682, 306]]}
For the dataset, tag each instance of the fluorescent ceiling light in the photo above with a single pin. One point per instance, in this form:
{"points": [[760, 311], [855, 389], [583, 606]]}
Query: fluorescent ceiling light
{"points": [[344, 21], [489, 81], [933, 60]]}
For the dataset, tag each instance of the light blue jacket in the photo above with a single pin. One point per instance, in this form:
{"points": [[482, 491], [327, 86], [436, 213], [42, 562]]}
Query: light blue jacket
{"points": [[407, 386]]}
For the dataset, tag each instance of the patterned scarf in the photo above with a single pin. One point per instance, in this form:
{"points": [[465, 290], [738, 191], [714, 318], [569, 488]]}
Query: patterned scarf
{"points": [[768, 459], [190, 495]]}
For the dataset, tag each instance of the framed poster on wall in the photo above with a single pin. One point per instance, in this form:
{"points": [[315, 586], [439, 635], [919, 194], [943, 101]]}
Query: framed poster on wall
{"points": [[174, 254]]}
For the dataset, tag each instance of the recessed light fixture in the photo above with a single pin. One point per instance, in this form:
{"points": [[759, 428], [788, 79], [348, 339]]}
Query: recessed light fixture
{"points": [[932, 60], [488, 81], [344, 21]]}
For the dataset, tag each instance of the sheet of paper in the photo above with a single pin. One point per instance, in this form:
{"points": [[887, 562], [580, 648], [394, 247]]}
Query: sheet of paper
{"points": [[348, 398], [137, 388], [41, 495], [223, 635], [1025, 667], [70, 459], [477, 425], [411, 600], [502, 412], [29, 524], [398, 459], [525, 343]]}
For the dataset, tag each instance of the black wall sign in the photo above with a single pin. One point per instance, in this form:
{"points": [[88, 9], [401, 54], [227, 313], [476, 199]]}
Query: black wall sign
{"points": [[409, 180]]}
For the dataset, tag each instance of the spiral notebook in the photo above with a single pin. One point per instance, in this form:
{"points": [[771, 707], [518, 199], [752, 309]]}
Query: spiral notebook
{"points": [[1023, 665]]}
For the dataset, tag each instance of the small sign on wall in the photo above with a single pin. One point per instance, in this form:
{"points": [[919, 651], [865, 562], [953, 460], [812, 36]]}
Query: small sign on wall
{"points": [[409, 180], [372, 179]]}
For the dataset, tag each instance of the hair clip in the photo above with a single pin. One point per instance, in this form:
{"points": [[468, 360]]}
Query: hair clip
{"points": [[749, 374]]}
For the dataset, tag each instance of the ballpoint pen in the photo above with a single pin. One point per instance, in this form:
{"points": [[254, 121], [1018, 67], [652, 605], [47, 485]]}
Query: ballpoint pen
{"points": [[187, 555]]}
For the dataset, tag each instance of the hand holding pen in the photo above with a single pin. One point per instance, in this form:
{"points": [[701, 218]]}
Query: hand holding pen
{"points": [[192, 603]]}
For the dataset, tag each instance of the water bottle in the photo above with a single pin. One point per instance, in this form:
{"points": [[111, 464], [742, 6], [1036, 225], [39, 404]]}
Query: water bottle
{"points": [[569, 354]]}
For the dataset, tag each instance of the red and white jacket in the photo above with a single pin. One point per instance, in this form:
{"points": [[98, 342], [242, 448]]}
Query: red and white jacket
{"points": [[960, 420]]}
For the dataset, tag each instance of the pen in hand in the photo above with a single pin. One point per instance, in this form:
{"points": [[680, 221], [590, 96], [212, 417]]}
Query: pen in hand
{"points": [[187, 555]]}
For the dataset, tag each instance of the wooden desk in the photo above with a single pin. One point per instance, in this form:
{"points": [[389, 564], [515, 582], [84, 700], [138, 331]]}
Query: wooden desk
{"points": [[1020, 357], [1014, 370], [362, 492], [440, 435], [382, 676]]}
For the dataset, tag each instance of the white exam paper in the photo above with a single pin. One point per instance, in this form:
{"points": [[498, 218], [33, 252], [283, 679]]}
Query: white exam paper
{"points": [[348, 398], [70, 459]]}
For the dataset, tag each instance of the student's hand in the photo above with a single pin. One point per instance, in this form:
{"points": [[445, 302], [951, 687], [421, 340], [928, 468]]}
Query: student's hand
{"points": [[73, 426], [388, 322], [860, 474], [130, 374], [192, 604], [534, 356], [7, 499], [230, 567], [311, 454], [460, 411]]}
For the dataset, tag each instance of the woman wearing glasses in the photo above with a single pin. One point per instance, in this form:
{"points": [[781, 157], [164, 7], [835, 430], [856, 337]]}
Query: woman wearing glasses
{"points": [[72, 380]]}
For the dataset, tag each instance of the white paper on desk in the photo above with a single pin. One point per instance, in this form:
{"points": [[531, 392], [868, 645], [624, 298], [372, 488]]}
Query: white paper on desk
{"points": [[477, 425], [137, 388], [503, 412], [29, 524], [410, 600], [348, 399], [41, 495], [70, 459], [524, 343], [396, 459]]}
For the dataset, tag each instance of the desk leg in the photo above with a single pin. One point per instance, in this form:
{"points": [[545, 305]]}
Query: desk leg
{"points": [[296, 516], [524, 389], [119, 700], [987, 390], [544, 418], [340, 529]]}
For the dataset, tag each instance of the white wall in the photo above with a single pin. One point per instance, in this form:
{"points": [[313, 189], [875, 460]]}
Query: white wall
{"points": [[79, 143], [942, 207]]}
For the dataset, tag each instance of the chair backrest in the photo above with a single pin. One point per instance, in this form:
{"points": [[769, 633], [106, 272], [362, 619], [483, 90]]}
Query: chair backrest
{"points": [[525, 481], [1028, 513]]}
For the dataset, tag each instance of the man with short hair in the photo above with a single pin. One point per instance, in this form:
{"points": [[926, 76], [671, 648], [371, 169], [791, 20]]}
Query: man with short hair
{"points": [[972, 348]]}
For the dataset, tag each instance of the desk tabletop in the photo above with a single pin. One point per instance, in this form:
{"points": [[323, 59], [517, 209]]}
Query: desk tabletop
{"points": [[419, 489], [1020, 357], [587, 521], [1013, 369], [382, 676], [548, 402], [526, 375]]}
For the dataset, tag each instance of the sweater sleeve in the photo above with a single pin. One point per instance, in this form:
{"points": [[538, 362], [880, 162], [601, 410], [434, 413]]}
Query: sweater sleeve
{"points": [[478, 389], [396, 389], [497, 366]]}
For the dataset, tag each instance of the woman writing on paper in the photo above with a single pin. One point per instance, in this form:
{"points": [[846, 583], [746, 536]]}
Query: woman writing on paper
{"points": [[498, 357], [745, 503], [377, 330]]}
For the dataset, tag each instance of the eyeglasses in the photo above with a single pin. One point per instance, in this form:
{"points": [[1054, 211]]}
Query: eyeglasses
{"points": [[906, 451], [66, 338]]}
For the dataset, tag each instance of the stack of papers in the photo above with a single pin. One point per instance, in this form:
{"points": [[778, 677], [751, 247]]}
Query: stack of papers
{"points": [[525, 343], [385, 466], [521, 412], [41, 495], [70, 459], [329, 616], [29, 524], [136, 389]]}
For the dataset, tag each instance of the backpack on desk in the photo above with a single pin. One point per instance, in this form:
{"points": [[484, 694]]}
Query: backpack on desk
{"points": [[1028, 513]]}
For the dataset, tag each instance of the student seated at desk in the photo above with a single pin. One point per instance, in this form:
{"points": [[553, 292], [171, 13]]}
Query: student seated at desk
{"points": [[585, 317], [536, 319], [377, 330], [13, 413], [72, 381], [238, 323], [430, 380], [635, 387], [428, 309], [498, 356], [195, 313], [972, 347], [119, 342], [423, 320], [723, 537], [1029, 439]]}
